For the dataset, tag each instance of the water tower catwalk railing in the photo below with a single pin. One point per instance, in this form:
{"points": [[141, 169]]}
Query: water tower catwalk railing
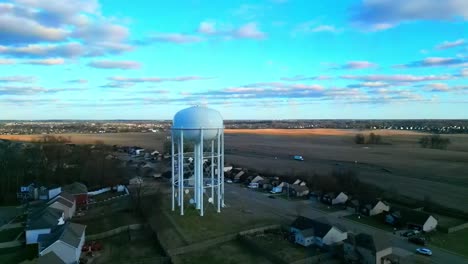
{"points": [[199, 178]]}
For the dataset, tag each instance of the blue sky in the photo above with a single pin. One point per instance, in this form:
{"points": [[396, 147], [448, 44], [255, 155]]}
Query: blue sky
{"points": [[266, 59]]}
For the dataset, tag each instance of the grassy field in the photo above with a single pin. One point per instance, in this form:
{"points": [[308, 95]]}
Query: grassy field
{"points": [[130, 248], [107, 222], [228, 253], [457, 241], [10, 234], [282, 248], [401, 164], [18, 254]]}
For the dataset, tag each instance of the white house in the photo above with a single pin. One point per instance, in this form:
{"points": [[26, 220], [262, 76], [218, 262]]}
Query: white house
{"points": [[48, 193], [257, 179], [68, 207], [374, 208], [65, 241], [312, 232], [333, 198], [412, 218], [42, 221], [297, 181]]}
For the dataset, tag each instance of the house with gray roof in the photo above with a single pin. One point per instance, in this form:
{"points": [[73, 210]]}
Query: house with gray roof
{"points": [[65, 241], [41, 221], [412, 219], [374, 207], [50, 258], [313, 232], [365, 248], [68, 207]]}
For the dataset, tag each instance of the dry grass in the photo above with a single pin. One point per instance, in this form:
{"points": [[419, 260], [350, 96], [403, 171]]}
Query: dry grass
{"points": [[318, 132]]}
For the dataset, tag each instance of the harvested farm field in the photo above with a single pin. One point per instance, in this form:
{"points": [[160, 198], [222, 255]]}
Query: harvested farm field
{"points": [[399, 164]]}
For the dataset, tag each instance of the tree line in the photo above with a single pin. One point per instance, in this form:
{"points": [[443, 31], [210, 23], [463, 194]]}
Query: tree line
{"points": [[370, 139], [434, 142], [51, 162]]}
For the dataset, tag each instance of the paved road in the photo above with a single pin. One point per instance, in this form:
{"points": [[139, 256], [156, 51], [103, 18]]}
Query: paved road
{"points": [[288, 210]]}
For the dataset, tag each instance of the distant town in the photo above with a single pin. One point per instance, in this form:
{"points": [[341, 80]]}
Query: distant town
{"points": [[142, 126]]}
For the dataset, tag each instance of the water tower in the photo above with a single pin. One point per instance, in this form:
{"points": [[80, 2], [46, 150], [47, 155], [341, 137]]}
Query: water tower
{"points": [[198, 159]]}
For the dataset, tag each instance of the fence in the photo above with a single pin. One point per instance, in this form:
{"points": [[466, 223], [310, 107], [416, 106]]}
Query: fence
{"points": [[115, 231], [217, 240], [455, 228]]}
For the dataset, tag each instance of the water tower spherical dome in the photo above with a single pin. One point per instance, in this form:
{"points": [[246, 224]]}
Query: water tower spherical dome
{"points": [[192, 119]]}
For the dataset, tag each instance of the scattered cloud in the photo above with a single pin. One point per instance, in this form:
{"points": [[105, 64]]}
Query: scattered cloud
{"points": [[77, 81], [314, 27], [249, 31], [305, 78], [325, 28], [384, 14], [403, 78], [369, 85], [46, 62], [7, 62], [451, 44], [68, 28], [434, 62], [442, 87], [177, 38], [207, 28], [107, 64], [157, 79], [17, 79], [355, 65]]}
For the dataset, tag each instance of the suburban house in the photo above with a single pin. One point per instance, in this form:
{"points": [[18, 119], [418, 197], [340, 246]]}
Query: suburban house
{"points": [[48, 193], [312, 232], [135, 180], [79, 191], [412, 219], [50, 258], [297, 182], [366, 249], [65, 241], [334, 198], [237, 176], [374, 208], [298, 190], [257, 179], [41, 221], [64, 202]]}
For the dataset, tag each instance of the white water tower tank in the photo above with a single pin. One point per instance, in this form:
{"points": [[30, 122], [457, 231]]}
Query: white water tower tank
{"points": [[193, 119]]}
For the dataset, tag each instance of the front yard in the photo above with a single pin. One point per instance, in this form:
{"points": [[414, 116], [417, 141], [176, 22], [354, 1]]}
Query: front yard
{"points": [[130, 247], [282, 248], [376, 221], [7, 235], [106, 222], [18, 254], [457, 241]]}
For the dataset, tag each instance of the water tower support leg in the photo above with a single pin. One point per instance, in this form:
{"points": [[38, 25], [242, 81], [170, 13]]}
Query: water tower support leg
{"points": [[181, 172], [218, 172], [212, 170], [172, 162], [202, 187]]}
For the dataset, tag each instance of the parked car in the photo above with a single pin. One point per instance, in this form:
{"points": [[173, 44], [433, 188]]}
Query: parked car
{"points": [[417, 240], [424, 251], [229, 181], [409, 233]]}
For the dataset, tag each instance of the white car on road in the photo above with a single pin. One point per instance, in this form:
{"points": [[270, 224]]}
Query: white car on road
{"points": [[424, 251]]}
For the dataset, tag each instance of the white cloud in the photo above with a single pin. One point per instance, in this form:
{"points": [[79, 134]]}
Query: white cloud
{"points": [[107, 64], [451, 44]]}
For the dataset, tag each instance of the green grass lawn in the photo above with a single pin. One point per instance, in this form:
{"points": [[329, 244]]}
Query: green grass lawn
{"points": [[457, 241], [375, 221], [227, 253], [130, 248], [328, 208], [10, 234], [213, 224], [18, 254], [102, 223], [277, 245]]}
